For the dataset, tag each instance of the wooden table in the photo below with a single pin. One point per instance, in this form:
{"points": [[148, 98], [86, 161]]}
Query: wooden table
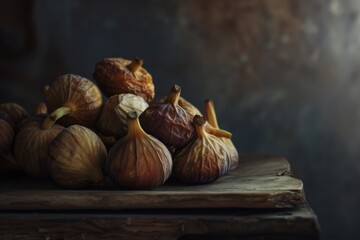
{"points": [[258, 200]]}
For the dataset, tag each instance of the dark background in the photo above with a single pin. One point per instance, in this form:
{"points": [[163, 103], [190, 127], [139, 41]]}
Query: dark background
{"points": [[284, 75]]}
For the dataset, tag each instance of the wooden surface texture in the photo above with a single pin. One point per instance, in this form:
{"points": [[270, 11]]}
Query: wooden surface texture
{"points": [[297, 223], [260, 182]]}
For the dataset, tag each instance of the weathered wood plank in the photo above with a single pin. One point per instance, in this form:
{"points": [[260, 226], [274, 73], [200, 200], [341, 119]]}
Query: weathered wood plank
{"points": [[256, 183], [299, 222]]}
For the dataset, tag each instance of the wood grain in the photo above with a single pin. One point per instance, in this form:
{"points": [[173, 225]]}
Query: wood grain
{"points": [[261, 182], [298, 223]]}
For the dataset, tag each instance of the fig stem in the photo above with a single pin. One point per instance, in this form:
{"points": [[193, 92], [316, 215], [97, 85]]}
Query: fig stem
{"points": [[199, 122], [210, 113], [134, 127], [41, 109], [219, 132], [55, 115], [135, 65], [174, 95]]}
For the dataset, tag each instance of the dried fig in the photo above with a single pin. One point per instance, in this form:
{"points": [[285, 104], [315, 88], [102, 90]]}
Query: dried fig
{"points": [[77, 156], [16, 114], [138, 160], [7, 160], [73, 100], [112, 120], [168, 121], [211, 117], [118, 75], [187, 106], [204, 159], [32, 144]]}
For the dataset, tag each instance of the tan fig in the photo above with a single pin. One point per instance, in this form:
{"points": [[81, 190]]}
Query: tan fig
{"points": [[16, 114], [204, 159], [138, 160], [73, 100], [117, 75], [32, 146], [77, 157], [211, 117], [112, 120], [7, 160]]}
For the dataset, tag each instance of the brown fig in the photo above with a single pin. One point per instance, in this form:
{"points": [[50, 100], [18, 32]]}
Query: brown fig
{"points": [[7, 136], [211, 117], [118, 75], [204, 159], [77, 157], [32, 145], [16, 114], [187, 106], [112, 120], [168, 121], [73, 100], [138, 160]]}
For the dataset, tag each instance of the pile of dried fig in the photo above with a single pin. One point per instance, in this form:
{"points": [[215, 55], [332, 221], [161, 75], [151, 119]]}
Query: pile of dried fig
{"points": [[78, 138]]}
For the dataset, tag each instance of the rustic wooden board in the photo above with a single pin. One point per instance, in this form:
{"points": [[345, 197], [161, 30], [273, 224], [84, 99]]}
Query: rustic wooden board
{"points": [[297, 223], [262, 182]]}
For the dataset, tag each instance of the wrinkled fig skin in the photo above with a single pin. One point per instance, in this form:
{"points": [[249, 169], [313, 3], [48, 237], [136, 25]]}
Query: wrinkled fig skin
{"points": [[168, 122], [138, 161], [32, 147], [77, 157], [211, 116], [117, 75], [112, 120], [234, 156], [203, 160], [80, 97], [16, 114], [7, 136]]}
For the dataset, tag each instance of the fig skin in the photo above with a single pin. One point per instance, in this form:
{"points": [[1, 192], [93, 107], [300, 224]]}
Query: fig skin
{"points": [[73, 100], [31, 147], [212, 119], [186, 105], [118, 75], [16, 114], [112, 121], [138, 160], [77, 157], [168, 121], [7, 136], [204, 159]]}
